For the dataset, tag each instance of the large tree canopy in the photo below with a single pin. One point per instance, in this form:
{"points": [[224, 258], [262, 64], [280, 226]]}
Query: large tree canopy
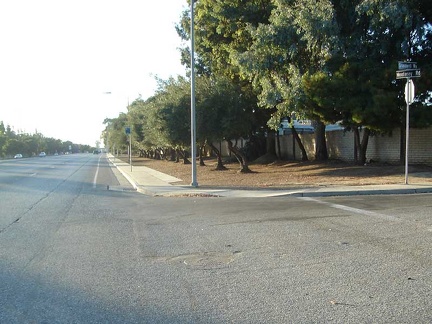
{"points": [[326, 60], [336, 60]]}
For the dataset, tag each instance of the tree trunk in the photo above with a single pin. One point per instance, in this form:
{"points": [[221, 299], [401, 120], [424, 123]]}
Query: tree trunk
{"points": [[162, 153], [244, 164], [184, 155], [218, 153], [157, 155], [364, 145], [173, 155], [361, 145], [299, 143], [321, 153], [356, 144], [201, 158]]}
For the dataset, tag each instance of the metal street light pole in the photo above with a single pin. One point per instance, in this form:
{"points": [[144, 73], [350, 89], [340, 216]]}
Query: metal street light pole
{"points": [[193, 120]]}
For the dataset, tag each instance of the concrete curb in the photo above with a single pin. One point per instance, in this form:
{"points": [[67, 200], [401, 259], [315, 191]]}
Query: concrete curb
{"points": [[159, 185], [349, 192], [124, 174]]}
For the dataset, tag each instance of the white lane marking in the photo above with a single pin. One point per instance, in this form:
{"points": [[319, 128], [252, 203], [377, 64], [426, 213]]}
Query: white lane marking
{"points": [[353, 210], [96, 174]]}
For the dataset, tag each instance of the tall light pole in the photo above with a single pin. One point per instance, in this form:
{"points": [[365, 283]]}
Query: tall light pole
{"points": [[193, 118]]}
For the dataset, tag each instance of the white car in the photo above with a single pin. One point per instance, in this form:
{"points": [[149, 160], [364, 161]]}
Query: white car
{"points": [[42, 154], [18, 156]]}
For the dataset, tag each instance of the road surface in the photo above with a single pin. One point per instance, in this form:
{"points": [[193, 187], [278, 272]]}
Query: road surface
{"points": [[72, 251]]}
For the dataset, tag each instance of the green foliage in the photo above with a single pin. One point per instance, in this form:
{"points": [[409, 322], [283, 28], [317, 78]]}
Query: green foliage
{"points": [[163, 121], [336, 59], [223, 110], [327, 60], [297, 40], [222, 29], [114, 134], [28, 145]]}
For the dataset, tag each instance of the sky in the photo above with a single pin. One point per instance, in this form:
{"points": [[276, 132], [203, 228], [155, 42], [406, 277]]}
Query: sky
{"points": [[59, 58]]}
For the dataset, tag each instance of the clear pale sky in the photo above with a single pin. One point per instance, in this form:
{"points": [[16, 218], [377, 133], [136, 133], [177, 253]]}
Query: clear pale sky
{"points": [[58, 57]]}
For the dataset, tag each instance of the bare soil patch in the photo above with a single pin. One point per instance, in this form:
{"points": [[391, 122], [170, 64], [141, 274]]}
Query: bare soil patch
{"points": [[285, 174]]}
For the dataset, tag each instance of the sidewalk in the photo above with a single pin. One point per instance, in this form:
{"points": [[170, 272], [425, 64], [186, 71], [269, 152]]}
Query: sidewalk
{"points": [[155, 183]]}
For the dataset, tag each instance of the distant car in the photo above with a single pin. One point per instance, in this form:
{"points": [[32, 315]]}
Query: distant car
{"points": [[18, 156], [96, 152], [42, 154]]}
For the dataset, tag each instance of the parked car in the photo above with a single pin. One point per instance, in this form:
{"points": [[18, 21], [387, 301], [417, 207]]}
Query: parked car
{"points": [[42, 154], [18, 156]]}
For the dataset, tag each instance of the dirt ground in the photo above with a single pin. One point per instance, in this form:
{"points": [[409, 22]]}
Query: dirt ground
{"points": [[285, 174]]}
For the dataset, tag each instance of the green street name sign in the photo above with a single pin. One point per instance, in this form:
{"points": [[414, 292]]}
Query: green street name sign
{"points": [[408, 74], [407, 65]]}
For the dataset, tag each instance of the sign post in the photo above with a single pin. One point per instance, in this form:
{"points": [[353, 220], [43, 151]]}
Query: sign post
{"points": [[407, 95], [407, 70], [128, 132]]}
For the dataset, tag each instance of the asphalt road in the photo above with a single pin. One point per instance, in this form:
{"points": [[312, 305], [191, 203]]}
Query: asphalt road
{"points": [[72, 251]]}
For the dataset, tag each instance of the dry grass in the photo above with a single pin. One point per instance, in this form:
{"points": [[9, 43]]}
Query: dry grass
{"points": [[283, 174]]}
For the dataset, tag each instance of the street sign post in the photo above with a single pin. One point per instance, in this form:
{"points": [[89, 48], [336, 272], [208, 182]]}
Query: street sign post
{"points": [[128, 132], [407, 70]]}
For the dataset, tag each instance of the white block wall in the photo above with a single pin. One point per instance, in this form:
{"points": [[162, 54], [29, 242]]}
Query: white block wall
{"points": [[340, 145], [381, 148]]}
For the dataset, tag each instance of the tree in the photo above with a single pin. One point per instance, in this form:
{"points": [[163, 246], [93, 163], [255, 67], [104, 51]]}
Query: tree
{"points": [[221, 30], [297, 40], [114, 132], [223, 113], [173, 109], [14, 146], [357, 86], [3, 138], [326, 43]]}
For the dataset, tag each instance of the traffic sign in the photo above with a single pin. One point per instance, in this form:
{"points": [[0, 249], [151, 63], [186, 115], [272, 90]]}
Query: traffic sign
{"points": [[409, 92], [407, 65], [127, 130], [407, 74]]}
